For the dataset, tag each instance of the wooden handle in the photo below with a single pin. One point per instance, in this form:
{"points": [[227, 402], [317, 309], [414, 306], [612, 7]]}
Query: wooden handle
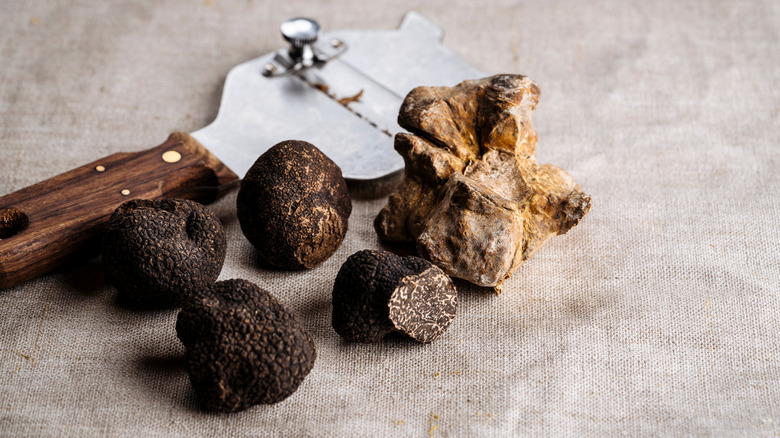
{"points": [[42, 224]]}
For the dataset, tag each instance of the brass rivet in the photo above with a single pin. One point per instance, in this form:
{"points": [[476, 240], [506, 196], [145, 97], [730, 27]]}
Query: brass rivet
{"points": [[171, 156], [125, 192], [100, 168]]}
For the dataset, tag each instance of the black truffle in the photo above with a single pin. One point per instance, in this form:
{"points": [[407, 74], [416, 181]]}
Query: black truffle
{"points": [[378, 292], [12, 221], [293, 205], [156, 252], [243, 347]]}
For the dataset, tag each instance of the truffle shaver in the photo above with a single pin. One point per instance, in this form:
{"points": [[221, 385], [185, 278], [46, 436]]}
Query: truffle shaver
{"points": [[340, 91]]}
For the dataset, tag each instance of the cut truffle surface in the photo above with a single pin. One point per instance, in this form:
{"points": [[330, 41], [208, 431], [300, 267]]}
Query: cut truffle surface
{"points": [[293, 206], [157, 252], [243, 347], [378, 292]]}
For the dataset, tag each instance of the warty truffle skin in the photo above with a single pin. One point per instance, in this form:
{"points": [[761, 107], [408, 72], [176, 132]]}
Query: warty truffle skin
{"points": [[156, 252], [293, 206], [243, 347], [377, 293]]}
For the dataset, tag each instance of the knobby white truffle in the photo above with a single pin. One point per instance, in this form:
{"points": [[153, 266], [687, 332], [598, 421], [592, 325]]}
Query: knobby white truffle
{"points": [[473, 197]]}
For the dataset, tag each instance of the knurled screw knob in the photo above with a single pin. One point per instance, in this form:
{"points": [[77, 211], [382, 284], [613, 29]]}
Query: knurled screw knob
{"points": [[300, 32]]}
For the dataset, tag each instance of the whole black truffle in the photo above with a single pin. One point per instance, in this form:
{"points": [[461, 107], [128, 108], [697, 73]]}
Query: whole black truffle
{"points": [[293, 205], [243, 347], [156, 252], [378, 292]]}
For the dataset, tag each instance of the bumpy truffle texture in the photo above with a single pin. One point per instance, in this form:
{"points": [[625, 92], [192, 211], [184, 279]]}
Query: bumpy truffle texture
{"points": [[378, 292], [473, 198], [243, 347], [157, 252], [293, 206], [12, 221]]}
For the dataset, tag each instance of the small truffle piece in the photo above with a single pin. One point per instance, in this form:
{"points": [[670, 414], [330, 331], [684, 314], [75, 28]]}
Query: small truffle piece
{"points": [[473, 198], [12, 221], [156, 252], [378, 292], [293, 205], [243, 347]]}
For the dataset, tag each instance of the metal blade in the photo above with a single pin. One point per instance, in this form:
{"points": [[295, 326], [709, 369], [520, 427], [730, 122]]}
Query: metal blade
{"points": [[377, 70]]}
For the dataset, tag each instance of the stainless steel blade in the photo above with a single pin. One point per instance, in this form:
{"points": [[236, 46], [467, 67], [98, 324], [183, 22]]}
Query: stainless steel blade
{"points": [[380, 67]]}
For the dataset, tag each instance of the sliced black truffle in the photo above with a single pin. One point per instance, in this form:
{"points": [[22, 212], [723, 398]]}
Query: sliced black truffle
{"points": [[157, 252], [293, 205], [243, 347], [378, 292]]}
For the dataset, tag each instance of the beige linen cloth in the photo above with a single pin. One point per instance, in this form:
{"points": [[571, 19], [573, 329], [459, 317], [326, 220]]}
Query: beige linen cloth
{"points": [[658, 315]]}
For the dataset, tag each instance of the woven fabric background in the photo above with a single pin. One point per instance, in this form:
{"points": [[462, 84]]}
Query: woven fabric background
{"points": [[658, 315]]}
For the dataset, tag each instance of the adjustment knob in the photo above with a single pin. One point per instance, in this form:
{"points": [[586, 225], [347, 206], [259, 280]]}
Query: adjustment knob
{"points": [[300, 32], [303, 52]]}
